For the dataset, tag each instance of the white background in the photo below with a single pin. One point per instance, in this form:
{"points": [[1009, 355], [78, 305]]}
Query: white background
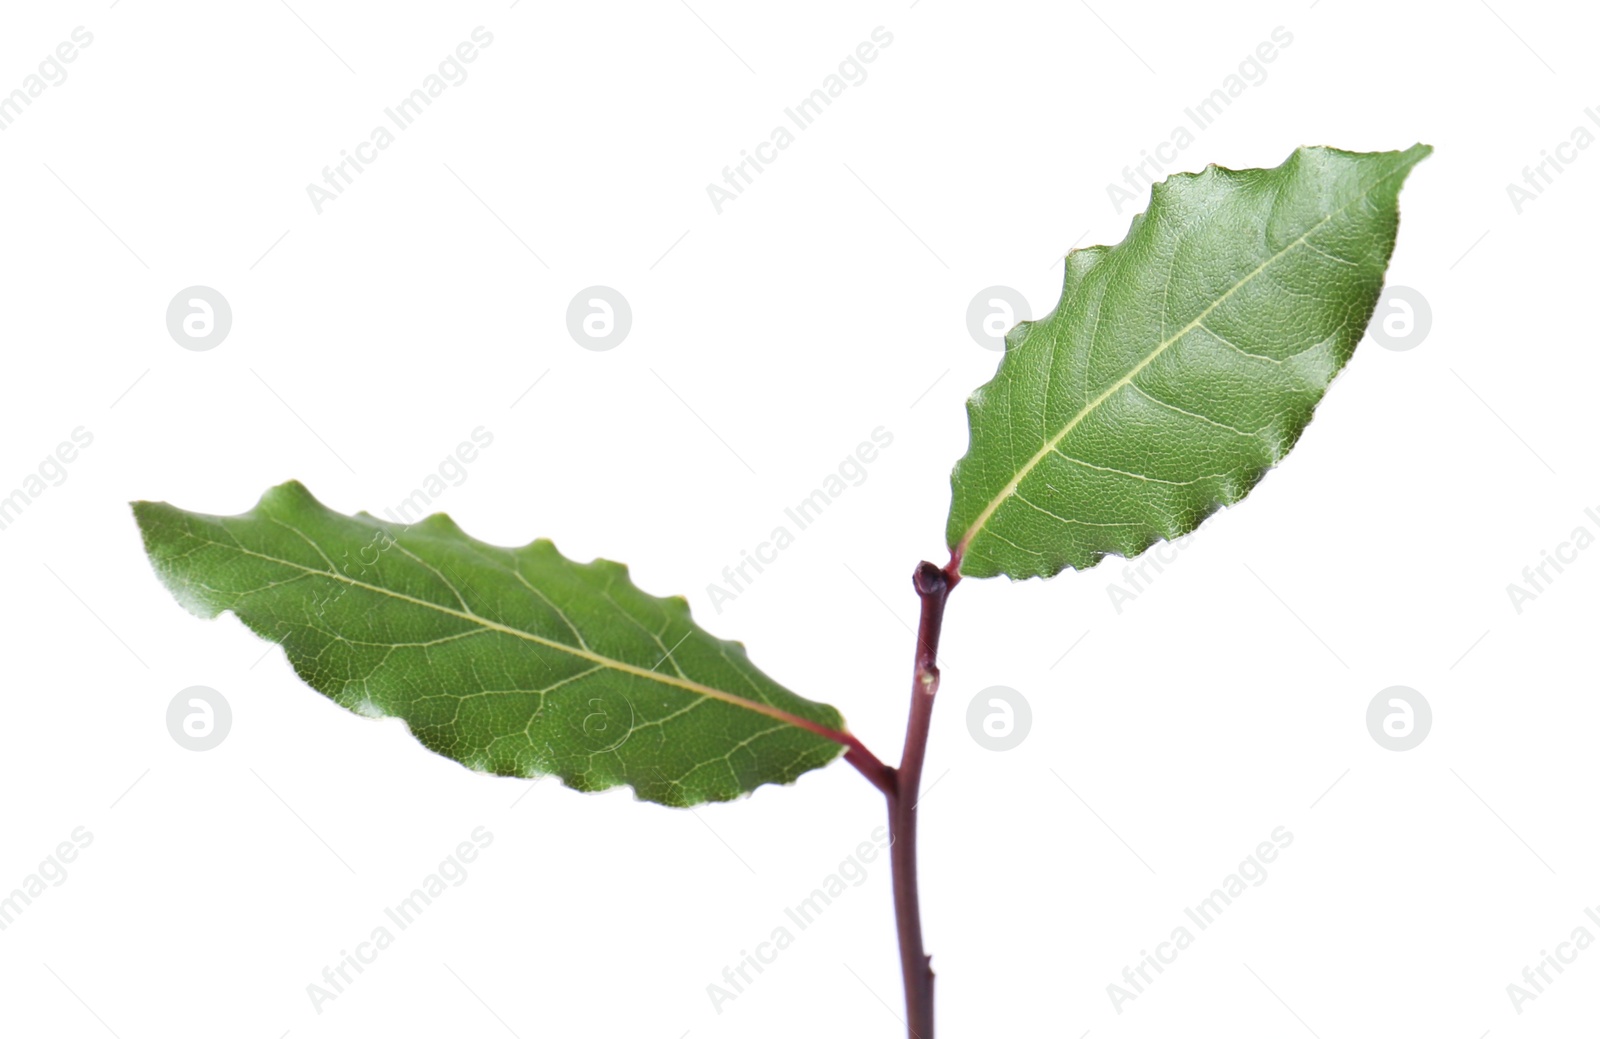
{"points": [[1225, 701]]}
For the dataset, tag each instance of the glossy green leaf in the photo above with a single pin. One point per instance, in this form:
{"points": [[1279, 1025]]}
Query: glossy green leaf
{"points": [[1179, 366], [512, 661]]}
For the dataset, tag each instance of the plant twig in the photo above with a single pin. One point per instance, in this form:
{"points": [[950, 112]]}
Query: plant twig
{"points": [[933, 587], [867, 763]]}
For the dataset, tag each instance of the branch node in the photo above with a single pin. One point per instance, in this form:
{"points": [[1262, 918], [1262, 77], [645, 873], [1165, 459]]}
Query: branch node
{"points": [[929, 580]]}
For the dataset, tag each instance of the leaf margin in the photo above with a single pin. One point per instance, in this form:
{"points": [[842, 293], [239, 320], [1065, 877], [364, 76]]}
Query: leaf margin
{"points": [[1077, 263], [149, 514]]}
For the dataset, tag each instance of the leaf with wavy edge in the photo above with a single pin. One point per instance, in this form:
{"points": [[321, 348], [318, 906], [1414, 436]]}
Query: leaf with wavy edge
{"points": [[512, 661], [1180, 364]]}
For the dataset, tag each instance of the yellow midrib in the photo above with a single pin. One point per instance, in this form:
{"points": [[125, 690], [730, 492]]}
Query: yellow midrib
{"points": [[688, 685], [1050, 445]]}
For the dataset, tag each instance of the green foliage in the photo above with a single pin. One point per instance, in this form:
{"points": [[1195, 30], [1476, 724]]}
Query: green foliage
{"points": [[518, 661], [1179, 366]]}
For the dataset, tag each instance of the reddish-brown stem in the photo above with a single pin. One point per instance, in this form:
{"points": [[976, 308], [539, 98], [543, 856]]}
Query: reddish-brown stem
{"points": [[856, 752], [933, 587], [867, 763], [901, 786]]}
